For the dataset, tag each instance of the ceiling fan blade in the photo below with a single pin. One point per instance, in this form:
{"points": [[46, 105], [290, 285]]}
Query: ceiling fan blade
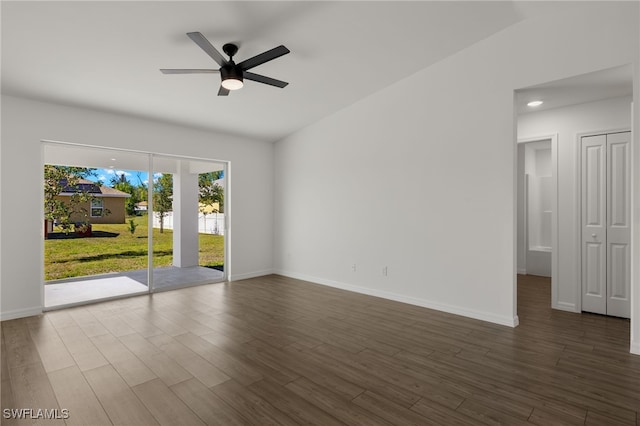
{"points": [[223, 92], [267, 56], [187, 71], [204, 44], [262, 79]]}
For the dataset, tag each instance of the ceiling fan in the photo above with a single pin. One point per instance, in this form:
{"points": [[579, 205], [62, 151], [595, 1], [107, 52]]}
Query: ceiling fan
{"points": [[232, 74]]}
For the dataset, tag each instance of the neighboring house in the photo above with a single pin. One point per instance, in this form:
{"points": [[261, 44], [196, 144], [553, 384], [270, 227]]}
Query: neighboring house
{"points": [[106, 206], [141, 207]]}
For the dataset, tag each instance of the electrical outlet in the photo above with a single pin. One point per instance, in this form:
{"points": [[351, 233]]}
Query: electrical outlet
{"points": [[384, 271], [353, 267]]}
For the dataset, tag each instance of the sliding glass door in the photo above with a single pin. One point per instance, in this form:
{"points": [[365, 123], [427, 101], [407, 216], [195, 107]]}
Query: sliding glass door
{"points": [[105, 210]]}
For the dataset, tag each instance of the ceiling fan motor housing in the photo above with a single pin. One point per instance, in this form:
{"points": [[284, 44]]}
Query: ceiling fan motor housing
{"points": [[231, 71]]}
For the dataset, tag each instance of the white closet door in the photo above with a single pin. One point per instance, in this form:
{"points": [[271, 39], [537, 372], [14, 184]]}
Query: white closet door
{"points": [[618, 224], [594, 224]]}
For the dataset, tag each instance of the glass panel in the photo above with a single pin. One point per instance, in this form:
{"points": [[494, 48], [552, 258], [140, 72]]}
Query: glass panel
{"points": [[211, 217], [95, 247], [188, 222], [163, 216]]}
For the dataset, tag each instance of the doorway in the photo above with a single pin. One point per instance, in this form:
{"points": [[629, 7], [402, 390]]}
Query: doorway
{"points": [[567, 109], [537, 209], [125, 192]]}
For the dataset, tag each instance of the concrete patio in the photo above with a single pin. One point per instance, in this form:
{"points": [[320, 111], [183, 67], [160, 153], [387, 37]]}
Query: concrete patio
{"points": [[75, 291]]}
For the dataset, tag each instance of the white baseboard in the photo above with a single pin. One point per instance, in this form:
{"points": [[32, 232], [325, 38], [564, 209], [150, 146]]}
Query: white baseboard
{"points": [[238, 277], [20, 313], [635, 347], [564, 306], [522, 271], [456, 310]]}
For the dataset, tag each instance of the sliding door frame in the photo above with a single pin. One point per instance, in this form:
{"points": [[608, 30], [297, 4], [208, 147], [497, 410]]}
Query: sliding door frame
{"points": [[150, 155]]}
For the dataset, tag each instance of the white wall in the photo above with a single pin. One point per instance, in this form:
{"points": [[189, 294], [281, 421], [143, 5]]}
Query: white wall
{"points": [[437, 151], [635, 188], [26, 123], [568, 122]]}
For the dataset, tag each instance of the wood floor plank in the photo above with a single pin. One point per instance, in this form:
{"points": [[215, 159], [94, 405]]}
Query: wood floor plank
{"points": [[296, 407], [234, 367], [74, 393], [119, 401], [348, 366], [88, 322], [60, 319], [390, 411], [550, 417], [316, 372], [165, 406], [594, 418], [4, 366], [132, 370], [197, 366], [488, 415], [442, 415], [139, 325], [52, 351], [115, 325], [167, 369], [346, 411], [186, 322], [7, 401], [167, 326], [19, 349], [255, 409], [32, 389], [83, 351], [268, 367], [207, 405]]}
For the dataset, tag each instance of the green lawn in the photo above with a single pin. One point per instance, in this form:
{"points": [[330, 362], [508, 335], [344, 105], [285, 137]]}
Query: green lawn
{"points": [[112, 248]]}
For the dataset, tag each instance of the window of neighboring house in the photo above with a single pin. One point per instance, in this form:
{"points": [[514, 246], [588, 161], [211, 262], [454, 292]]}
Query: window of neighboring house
{"points": [[97, 207]]}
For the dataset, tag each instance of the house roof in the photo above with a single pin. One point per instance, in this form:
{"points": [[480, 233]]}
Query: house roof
{"points": [[94, 189]]}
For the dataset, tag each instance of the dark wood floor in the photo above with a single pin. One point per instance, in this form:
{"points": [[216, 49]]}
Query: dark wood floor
{"points": [[279, 351]]}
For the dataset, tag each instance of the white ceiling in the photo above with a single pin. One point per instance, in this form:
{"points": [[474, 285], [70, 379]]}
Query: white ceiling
{"points": [[119, 160], [604, 84], [106, 55]]}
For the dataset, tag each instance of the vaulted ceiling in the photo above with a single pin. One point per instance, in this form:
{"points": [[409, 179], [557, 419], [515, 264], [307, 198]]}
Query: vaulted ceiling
{"points": [[107, 55]]}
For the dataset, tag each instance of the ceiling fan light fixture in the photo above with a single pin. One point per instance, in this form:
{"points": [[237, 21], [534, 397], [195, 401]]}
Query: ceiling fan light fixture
{"points": [[231, 77], [232, 83]]}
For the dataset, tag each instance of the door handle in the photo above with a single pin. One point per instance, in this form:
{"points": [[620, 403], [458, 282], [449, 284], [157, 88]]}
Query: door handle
{"points": [[594, 235]]}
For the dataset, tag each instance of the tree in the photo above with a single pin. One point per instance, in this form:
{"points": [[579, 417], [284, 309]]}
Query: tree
{"points": [[210, 191], [57, 179], [163, 197], [141, 188], [121, 183]]}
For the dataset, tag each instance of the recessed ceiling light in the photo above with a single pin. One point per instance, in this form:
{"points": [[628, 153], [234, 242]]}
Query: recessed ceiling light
{"points": [[534, 103], [113, 159]]}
